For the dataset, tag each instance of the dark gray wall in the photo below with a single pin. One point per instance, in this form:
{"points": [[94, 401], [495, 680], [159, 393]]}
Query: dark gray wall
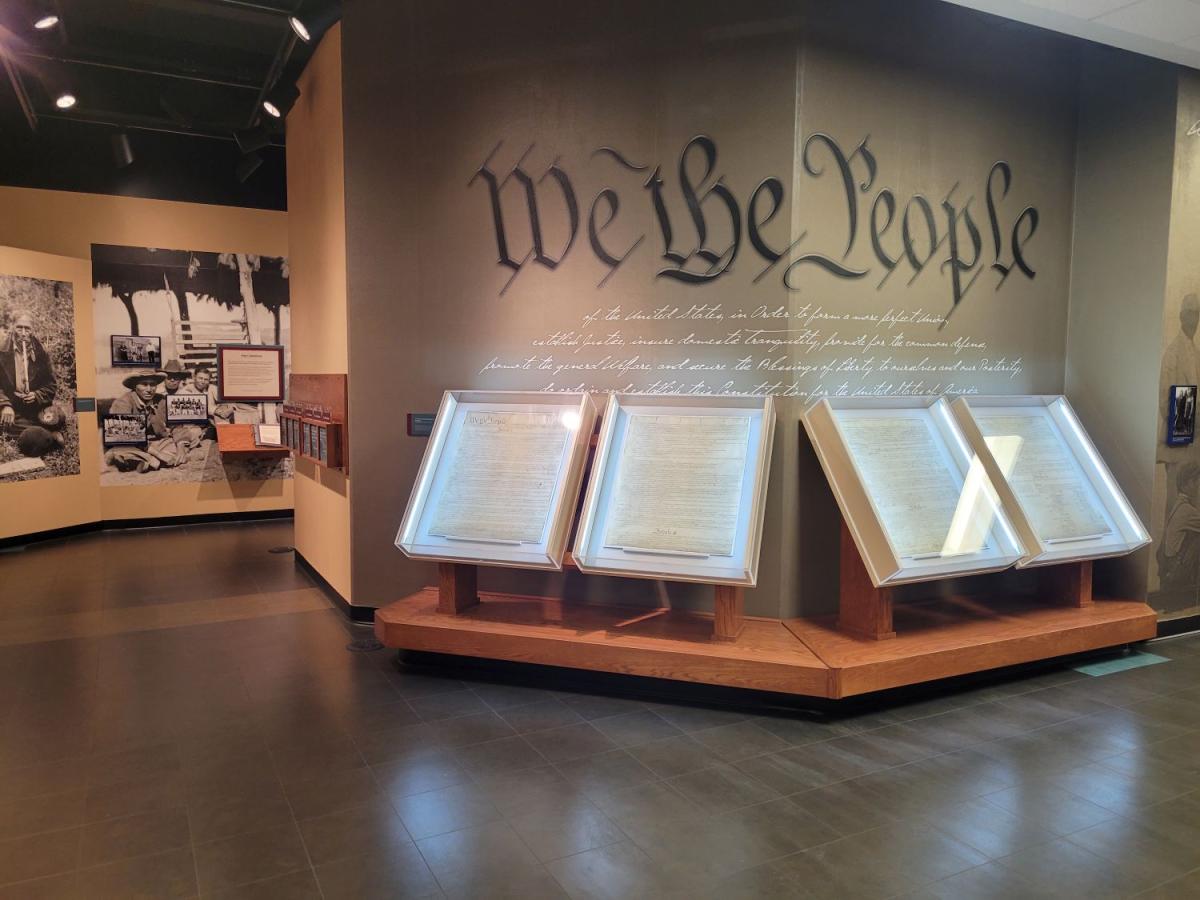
{"points": [[940, 94]]}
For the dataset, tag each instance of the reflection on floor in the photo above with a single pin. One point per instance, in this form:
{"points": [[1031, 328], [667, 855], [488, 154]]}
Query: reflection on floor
{"points": [[179, 717]]}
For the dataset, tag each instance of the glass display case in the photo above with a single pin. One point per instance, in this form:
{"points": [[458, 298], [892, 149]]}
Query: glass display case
{"points": [[915, 496], [1063, 501], [678, 489], [500, 479]]}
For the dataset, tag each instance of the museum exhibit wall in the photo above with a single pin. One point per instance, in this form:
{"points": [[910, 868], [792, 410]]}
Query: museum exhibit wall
{"points": [[769, 281], [1123, 197], [317, 240], [69, 224], [65, 490], [1174, 580]]}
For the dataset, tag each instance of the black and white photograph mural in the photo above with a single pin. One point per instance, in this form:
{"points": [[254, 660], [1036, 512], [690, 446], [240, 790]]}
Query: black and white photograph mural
{"points": [[39, 434], [191, 301]]}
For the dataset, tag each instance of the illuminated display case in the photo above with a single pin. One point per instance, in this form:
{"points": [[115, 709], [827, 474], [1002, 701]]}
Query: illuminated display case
{"points": [[1063, 501], [500, 479], [678, 489], [916, 498]]}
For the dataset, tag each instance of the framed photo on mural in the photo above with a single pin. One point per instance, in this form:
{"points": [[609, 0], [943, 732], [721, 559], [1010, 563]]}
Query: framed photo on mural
{"points": [[140, 351], [124, 430], [1181, 415], [186, 409], [248, 373]]}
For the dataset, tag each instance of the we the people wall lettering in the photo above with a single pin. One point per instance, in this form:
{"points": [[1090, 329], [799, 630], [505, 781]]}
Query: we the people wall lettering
{"points": [[958, 236]]}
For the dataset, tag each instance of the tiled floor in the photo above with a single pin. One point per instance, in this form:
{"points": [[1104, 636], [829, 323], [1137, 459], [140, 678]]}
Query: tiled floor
{"points": [[180, 717]]}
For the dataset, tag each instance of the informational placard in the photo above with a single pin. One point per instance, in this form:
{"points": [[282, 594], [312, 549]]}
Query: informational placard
{"points": [[500, 479], [678, 489], [679, 484], [1062, 498], [250, 374], [916, 501]]}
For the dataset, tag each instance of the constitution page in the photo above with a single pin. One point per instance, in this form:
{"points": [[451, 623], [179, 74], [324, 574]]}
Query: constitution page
{"points": [[501, 481], [916, 493], [679, 484], [1054, 492]]}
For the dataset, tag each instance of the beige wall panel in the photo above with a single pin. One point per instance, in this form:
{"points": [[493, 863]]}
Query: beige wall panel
{"points": [[1174, 562], [27, 507], [317, 224], [67, 223]]}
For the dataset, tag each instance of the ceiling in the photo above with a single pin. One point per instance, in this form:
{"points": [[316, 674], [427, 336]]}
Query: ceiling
{"points": [[179, 77], [1166, 29]]}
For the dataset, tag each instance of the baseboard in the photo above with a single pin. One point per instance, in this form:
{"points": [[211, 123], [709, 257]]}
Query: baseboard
{"points": [[1181, 625], [57, 534], [352, 612]]}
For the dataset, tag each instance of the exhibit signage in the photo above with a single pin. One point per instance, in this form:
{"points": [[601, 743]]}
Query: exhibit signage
{"points": [[950, 234]]}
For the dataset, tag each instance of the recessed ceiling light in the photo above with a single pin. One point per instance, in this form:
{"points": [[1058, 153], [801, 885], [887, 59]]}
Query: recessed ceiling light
{"points": [[272, 109], [298, 27], [64, 101], [45, 22]]}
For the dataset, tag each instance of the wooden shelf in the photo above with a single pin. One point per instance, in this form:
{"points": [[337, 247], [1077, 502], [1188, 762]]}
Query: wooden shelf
{"points": [[238, 440], [799, 656]]}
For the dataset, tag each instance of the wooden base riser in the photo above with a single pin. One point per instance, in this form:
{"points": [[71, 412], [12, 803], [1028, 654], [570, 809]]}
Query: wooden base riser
{"points": [[809, 657]]}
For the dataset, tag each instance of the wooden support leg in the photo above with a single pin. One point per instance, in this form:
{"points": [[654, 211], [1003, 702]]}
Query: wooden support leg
{"points": [[863, 609], [728, 612], [457, 588], [1071, 583]]}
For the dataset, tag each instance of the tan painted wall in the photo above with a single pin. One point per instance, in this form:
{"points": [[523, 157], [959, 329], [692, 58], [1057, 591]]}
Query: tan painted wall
{"points": [[67, 224], [317, 224], [45, 504]]}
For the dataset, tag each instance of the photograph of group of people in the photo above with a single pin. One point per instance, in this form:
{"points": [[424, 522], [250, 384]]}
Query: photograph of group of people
{"points": [[181, 304], [38, 433]]}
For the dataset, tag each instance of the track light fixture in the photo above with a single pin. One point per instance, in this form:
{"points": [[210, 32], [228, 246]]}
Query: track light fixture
{"points": [[300, 29], [248, 166], [280, 101], [122, 150], [314, 24], [47, 21], [251, 139], [65, 100]]}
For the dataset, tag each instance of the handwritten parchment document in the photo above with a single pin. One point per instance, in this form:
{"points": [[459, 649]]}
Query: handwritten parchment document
{"points": [[1053, 490], [679, 485], [911, 483], [502, 477]]}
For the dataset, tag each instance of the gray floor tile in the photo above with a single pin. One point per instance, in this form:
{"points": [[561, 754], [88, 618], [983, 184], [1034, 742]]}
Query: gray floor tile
{"points": [[540, 716], [721, 788], [617, 872], [635, 728], [881, 862], [503, 755], [447, 809], [565, 830], [371, 828], [397, 873], [740, 740], [674, 756], [570, 742]]}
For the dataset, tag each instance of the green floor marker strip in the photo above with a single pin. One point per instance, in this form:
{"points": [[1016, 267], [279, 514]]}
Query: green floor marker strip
{"points": [[1133, 660]]}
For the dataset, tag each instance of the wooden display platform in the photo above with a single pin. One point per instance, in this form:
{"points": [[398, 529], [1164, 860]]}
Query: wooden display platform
{"points": [[238, 440], [799, 656], [655, 643]]}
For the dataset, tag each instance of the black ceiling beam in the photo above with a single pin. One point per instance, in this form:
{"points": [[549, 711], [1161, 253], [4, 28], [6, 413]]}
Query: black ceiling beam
{"points": [[141, 123], [137, 70], [282, 54], [18, 86]]}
